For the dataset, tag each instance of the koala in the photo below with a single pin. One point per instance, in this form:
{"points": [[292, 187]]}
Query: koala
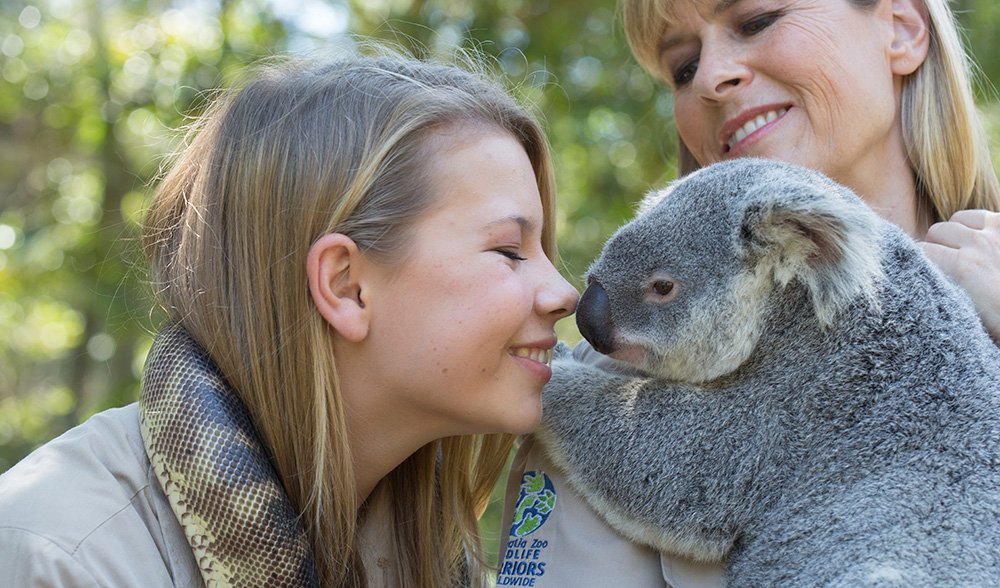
{"points": [[804, 396]]}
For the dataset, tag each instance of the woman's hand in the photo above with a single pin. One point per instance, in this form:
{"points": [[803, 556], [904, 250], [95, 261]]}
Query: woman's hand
{"points": [[967, 248]]}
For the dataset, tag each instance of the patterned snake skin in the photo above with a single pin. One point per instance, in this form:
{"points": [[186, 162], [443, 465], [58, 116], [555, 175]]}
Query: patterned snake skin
{"points": [[216, 474]]}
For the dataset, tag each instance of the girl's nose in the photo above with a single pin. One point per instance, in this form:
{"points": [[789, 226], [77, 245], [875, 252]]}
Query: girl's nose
{"points": [[556, 297]]}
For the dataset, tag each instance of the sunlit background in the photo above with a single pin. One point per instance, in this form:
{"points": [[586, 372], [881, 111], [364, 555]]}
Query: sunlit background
{"points": [[92, 93]]}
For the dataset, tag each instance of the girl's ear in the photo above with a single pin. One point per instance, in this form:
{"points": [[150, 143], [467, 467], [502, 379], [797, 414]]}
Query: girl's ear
{"points": [[911, 36], [334, 267]]}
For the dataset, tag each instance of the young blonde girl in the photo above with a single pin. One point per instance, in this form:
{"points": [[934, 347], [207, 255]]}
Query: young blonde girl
{"points": [[312, 205]]}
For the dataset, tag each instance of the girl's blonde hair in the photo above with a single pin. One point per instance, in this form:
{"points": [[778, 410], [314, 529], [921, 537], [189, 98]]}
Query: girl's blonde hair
{"points": [[304, 149], [945, 138]]}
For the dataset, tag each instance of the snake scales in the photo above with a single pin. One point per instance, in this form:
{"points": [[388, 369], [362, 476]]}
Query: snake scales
{"points": [[214, 471]]}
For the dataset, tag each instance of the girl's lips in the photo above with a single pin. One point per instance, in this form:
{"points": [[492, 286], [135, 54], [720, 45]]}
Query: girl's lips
{"points": [[539, 354], [737, 133], [540, 370], [535, 360]]}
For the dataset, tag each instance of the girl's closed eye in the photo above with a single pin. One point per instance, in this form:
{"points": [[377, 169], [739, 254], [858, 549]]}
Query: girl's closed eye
{"points": [[511, 253]]}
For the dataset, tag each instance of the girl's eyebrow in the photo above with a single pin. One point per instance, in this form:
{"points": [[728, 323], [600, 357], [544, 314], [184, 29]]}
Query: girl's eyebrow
{"points": [[525, 224]]}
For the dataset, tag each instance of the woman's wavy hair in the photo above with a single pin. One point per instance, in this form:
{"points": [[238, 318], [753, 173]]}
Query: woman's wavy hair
{"points": [[305, 148], [945, 138]]}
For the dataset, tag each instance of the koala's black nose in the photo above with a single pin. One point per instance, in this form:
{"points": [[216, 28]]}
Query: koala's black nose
{"points": [[593, 317]]}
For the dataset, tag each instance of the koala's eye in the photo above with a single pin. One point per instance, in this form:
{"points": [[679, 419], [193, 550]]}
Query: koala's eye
{"points": [[662, 287]]}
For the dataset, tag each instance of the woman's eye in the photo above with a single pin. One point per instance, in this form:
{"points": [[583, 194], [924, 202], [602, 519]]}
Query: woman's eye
{"points": [[511, 254], [685, 73], [758, 23]]}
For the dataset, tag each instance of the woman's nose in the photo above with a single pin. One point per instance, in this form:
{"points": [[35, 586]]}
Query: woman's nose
{"points": [[721, 70]]}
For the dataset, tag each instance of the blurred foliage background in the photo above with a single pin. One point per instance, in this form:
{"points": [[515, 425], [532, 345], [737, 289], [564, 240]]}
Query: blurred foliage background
{"points": [[91, 95]]}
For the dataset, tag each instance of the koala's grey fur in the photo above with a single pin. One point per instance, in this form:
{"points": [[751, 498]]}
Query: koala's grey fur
{"points": [[817, 403]]}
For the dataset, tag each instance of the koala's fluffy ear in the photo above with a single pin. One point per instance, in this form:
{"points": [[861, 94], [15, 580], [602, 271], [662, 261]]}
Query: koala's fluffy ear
{"points": [[823, 239], [652, 198]]}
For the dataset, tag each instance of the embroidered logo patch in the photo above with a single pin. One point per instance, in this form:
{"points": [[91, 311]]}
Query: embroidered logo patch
{"points": [[524, 559], [534, 503]]}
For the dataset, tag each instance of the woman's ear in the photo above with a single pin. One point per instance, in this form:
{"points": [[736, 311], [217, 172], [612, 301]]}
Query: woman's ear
{"points": [[911, 36], [334, 268]]}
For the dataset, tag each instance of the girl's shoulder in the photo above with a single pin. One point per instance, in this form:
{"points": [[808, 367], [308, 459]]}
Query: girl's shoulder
{"points": [[86, 509]]}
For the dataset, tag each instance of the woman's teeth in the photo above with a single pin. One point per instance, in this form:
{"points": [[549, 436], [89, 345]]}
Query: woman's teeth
{"points": [[753, 124]]}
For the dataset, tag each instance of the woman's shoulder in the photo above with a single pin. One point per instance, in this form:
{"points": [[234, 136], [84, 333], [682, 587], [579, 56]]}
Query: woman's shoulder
{"points": [[86, 507]]}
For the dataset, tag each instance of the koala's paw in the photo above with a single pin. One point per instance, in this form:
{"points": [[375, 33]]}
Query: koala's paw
{"points": [[562, 374], [572, 386], [561, 386], [562, 351]]}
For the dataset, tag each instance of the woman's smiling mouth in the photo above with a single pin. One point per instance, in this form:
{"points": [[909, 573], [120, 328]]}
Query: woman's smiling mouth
{"points": [[753, 125]]}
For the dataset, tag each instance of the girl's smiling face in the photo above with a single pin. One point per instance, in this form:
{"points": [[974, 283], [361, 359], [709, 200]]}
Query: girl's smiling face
{"points": [[813, 82], [465, 323]]}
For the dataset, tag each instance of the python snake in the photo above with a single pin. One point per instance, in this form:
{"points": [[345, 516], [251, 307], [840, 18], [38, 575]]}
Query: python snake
{"points": [[216, 474]]}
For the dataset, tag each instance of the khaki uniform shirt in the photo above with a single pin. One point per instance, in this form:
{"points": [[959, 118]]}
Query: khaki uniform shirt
{"points": [[86, 510], [555, 539]]}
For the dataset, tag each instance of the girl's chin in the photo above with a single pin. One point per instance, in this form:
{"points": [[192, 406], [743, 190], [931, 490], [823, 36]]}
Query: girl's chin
{"points": [[526, 422]]}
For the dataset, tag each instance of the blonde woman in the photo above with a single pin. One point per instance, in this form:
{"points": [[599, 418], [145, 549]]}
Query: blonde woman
{"points": [[361, 251], [894, 120], [874, 93]]}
